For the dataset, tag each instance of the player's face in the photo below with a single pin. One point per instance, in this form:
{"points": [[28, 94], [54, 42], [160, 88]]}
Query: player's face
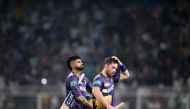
{"points": [[78, 64], [111, 69]]}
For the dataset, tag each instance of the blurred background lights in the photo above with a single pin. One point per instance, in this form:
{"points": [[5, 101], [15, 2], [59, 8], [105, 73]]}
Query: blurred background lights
{"points": [[44, 81]]}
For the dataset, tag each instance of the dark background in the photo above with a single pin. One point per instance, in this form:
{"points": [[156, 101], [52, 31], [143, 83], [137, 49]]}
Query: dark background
{"points": [[152, 37]]}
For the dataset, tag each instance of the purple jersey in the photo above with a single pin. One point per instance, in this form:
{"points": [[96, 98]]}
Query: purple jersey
{"points": [[77, 89], [106, 85]]}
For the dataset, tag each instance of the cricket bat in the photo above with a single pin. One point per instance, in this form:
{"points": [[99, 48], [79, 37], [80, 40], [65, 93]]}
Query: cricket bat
{"points": [[64, 106], [69, 100], [120, 105]]}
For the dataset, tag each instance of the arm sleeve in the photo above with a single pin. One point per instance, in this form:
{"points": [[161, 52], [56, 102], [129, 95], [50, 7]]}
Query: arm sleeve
{"points": [[97, 82], [116, 77], [73, 83], [119, 73], [89, 85]]}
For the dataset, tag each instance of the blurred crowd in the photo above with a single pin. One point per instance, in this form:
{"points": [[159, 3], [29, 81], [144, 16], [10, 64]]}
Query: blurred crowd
{"points": [[151, 37]]}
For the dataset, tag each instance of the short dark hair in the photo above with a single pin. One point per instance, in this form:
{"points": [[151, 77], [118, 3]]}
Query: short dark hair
{"points": [[72, 58], [109, 60]]}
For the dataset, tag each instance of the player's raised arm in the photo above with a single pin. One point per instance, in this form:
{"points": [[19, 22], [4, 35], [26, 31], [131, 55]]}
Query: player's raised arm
{"points": [[124, 71]]}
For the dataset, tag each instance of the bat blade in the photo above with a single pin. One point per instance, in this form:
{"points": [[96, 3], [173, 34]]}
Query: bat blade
{"points": [[64, 106], [120, 105]]}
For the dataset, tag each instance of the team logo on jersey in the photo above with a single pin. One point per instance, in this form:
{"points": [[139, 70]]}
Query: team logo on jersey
{"points": [[73, 83], [97, 82], [106, 84]]}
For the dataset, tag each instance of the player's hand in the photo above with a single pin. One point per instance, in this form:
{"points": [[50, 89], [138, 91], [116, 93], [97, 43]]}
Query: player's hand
{"points": [[90, 107], [116, 58]]}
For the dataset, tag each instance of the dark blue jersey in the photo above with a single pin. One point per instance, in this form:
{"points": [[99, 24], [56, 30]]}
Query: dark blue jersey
{"points": [[77, 89], [106, 86]]}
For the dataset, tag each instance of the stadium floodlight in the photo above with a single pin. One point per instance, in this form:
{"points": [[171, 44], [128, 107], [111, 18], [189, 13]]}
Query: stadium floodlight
{"points": [[44, 81]]}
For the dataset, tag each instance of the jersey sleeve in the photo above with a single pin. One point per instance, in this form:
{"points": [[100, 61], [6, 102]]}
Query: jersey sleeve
{"points": [[116, 77], [73, 83], [119, 75], [98, 82], [89, 85]]}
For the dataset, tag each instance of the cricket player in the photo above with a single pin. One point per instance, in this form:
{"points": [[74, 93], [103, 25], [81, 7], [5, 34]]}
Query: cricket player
{"points": [[77, 86], [103, 85]]}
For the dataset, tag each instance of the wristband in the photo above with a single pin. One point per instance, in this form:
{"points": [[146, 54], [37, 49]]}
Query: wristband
{"points": [[123, 68]]}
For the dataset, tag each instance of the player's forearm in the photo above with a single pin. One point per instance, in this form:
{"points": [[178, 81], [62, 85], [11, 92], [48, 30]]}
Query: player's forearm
{"points": [[124, 71], [84, 101], [123, 68], [98, 95]]}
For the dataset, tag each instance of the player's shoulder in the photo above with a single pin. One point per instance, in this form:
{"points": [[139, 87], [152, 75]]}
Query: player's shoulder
{"points": [[86, 78], [72, 80], [98, 76], [71, 76], [98, 80]]}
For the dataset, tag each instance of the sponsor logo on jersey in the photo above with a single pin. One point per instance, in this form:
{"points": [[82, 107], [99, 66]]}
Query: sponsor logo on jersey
{"points": [[106, 84], [108, 90]]}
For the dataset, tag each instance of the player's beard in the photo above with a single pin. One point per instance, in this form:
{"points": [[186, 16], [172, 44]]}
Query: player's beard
{"points": [[80, 68], [109, 74]]}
